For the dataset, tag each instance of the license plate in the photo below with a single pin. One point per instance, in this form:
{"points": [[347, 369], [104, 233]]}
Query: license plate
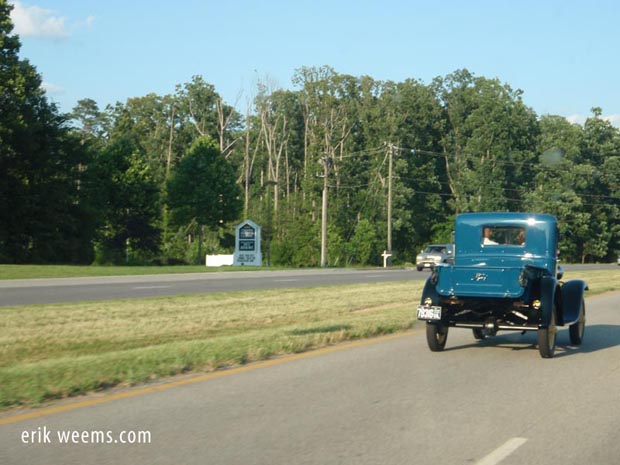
{"points": [[429, 313]]}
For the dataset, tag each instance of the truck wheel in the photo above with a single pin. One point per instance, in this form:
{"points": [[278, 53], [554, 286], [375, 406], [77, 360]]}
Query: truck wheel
{"points": [[419, 268], [479, 334], [546, 338], [436, 336], [577, 329]]}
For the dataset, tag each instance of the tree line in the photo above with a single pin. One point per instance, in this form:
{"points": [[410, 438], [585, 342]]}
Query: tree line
{"points": [[163, 178]]}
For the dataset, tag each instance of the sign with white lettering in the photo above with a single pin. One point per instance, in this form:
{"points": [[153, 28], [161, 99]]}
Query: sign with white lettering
{"points": [[247, 244]]}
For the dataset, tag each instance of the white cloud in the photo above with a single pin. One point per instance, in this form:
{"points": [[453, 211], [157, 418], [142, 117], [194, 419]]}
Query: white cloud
{"points": [[576, 119], [33, 21], [581, 119], [85, 23], [613, 119], [50, 88]]}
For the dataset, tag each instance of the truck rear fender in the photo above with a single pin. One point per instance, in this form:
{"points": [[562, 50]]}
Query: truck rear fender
{"points": [[572, 295], [430, 291], [548, 288]]}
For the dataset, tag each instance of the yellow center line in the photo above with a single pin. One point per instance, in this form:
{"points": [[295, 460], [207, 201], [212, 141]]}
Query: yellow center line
{"points": [[197, 379]]}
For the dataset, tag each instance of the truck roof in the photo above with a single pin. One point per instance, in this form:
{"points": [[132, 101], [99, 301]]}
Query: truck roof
{"points": [[540, 235]]}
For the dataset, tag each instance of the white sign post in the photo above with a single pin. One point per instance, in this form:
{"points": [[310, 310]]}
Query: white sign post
{"points": [[385, 256], [247, 244]]}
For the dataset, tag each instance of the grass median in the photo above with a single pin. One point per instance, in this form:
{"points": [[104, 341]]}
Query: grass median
{"points": [[74, 271], [54, 351]]}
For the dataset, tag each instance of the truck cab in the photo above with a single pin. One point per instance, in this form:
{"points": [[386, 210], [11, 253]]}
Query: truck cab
{"points": [[504, 276]]}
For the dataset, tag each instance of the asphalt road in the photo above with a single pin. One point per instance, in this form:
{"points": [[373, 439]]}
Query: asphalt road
{"points": [[387, 401], [41, 291]]}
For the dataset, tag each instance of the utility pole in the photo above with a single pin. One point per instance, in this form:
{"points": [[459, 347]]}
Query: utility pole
{"points": [[326, 162], [389, 205], [269, 228]]}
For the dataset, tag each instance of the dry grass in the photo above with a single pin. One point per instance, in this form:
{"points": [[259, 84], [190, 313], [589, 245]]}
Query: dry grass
{"points": [[599, 281], [50, 351]]}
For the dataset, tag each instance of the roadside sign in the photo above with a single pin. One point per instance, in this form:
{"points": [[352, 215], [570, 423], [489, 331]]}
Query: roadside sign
{"points": [[247, 244]]}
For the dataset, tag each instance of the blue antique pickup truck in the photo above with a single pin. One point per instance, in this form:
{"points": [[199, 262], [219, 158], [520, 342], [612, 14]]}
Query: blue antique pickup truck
{"points": [[503, 276]]}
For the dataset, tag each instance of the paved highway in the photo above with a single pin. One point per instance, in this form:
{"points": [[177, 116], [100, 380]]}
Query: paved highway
{"points": [[387, 401], [41, 291]]}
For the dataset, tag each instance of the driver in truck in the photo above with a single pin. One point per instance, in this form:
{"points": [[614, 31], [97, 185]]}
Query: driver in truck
{"points": [[487, 237]]}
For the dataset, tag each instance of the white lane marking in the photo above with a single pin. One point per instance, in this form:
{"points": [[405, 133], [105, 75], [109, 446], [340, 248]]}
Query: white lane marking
{"points": [[151, 287], [502, 451]]}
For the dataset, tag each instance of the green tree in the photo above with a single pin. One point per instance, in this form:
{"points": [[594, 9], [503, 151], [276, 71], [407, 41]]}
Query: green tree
{"points": [[557, 181], [147, 121], [600, 151], [129, 229], [92, 124], [418, 191], [202, 189], [44, 204], [204, 113], [363, 245], [489, 141], [576, 180]]}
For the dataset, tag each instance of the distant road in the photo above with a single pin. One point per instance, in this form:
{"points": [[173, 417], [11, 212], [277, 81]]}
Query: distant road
{"points": [[43, 291], [40, 291]]}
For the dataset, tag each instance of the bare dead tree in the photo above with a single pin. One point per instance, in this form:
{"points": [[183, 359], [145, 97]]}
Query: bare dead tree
{"points": [[224, 118], [248, 158]]}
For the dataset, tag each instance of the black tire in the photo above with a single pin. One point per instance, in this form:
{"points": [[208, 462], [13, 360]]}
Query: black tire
{"points": [[577, 329], [419, 268], [479, 334], [547, 337], [436, 336]]}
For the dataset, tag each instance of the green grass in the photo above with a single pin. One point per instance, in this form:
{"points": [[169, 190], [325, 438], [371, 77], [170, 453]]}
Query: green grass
{"points": [[60, 350], [72, 271]]}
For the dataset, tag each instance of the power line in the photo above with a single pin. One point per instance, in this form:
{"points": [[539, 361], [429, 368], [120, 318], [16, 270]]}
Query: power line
{"points": [[466, 157], [361, 152], [547, 193], [508, 189], [509, 199], [372, 185]]}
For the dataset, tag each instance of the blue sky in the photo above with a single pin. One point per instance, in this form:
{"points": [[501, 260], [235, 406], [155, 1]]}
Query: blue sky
{"points": [[562, 54]]}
